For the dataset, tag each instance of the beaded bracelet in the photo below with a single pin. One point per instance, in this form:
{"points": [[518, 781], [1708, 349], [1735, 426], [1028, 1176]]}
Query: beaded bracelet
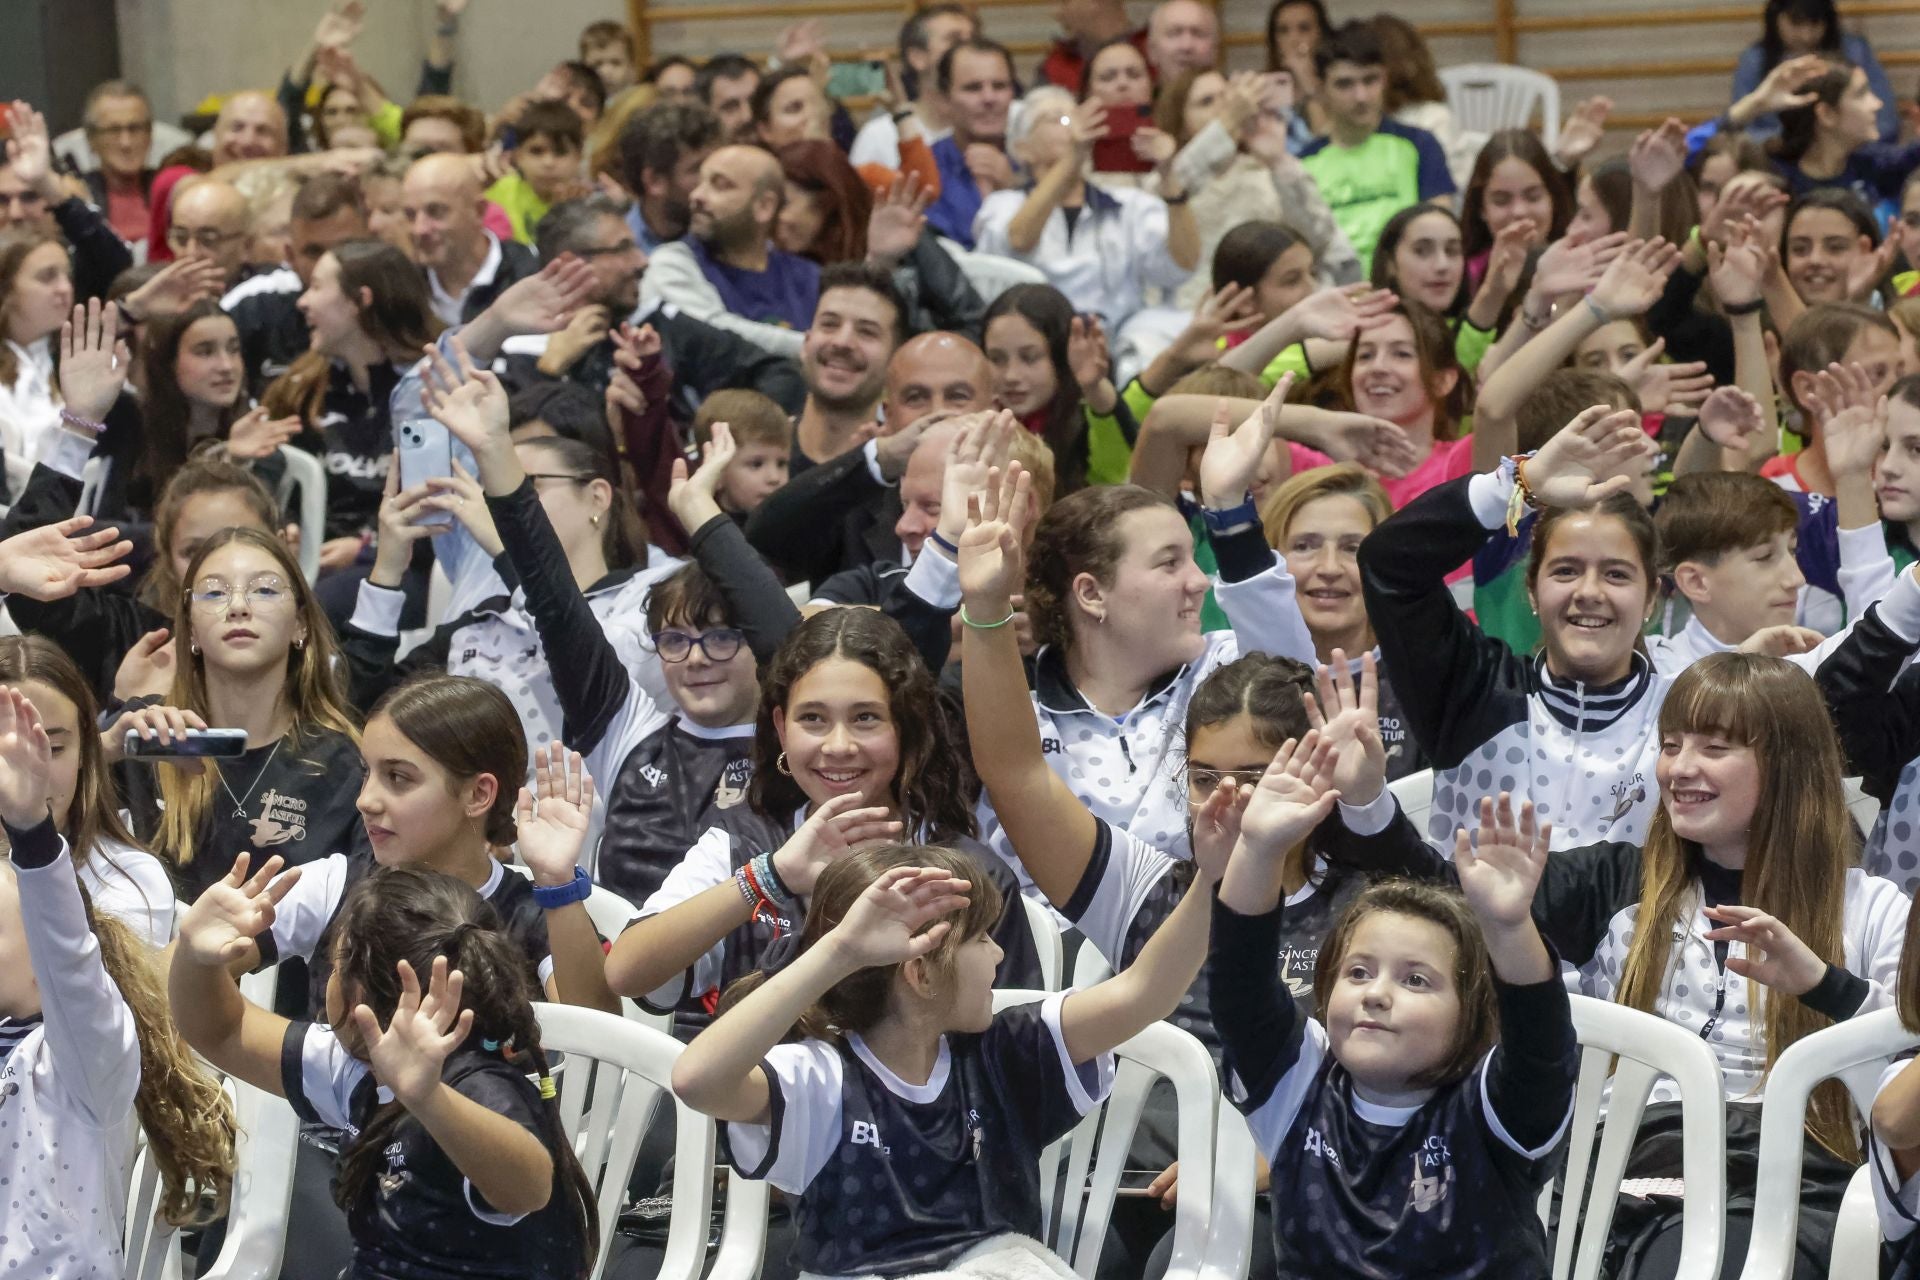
{"points": [[88, 425]]}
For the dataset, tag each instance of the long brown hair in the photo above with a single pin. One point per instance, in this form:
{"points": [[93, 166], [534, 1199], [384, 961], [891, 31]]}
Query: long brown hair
{"points": [[15, 247], [467, 727], [933, 783], [94, 815], [311, 690], [207, 474], [165, 414], [1472, 967], [399, 317], [1799, 847], [819, 168], [1511, 144], [857, 1002], [1411, 75], [411, 914], [1433, 342]]}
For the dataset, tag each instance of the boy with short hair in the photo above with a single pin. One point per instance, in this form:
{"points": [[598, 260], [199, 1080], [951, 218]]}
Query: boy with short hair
{"points": [[1368, 167], [1730, 549], [607, 47], [763, 434], [546, 164]]}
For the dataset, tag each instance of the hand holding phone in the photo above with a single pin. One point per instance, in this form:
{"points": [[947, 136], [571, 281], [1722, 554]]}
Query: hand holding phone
{"points": [[1114, 153], [189, 744], [426, 453]]}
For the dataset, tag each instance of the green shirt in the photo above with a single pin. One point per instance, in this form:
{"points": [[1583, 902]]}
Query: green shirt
{"points": [[514, 194], [1366, 185]]}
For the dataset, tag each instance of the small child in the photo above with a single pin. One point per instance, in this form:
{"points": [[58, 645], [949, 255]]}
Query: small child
{"points": [[1403, 1136], [455, 1162], [85, 1039], [607, 47], [546, 162], [763, 436], [910, 1118]]}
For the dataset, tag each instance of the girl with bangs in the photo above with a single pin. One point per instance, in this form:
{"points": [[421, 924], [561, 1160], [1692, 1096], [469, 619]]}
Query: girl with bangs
{"points": [[1741, 917], [948, 1105]]}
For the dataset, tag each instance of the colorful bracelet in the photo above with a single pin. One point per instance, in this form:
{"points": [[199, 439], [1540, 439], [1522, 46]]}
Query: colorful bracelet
{"points": [[770, 883], [88, 425]]}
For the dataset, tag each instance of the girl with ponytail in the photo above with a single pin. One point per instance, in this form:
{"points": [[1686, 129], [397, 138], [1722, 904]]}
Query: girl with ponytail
{"points": [[456, 1165]]}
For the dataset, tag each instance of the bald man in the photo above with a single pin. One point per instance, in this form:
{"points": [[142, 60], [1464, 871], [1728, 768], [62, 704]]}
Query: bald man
{"points": [[251, 126], [936, 373], [1182, 35], [727, 270], [210, 219], [467, 265]]}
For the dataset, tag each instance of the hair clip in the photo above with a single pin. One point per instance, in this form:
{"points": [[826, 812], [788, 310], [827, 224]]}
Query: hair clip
{"points": [[547, 1092]]}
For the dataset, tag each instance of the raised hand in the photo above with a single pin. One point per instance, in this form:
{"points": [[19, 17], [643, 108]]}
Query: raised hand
{"points": [[257, 436], [1666, 388], [1087, 124], [1501, 868], [56, 560], [1382, 447], [1867, 271], [1782, 88], [1658, 155], [1216, 828], [1737, 266], [147, 669], [1600, 453], [467, 401], [1348, 720], [897, 222], [800, 41], [174, 288], [340, 26], [554, 816], [1732, 419], [1230, 310], [1087, 353], [26, 762], [1294, 796], [93, 360], [1782, 641], [408, 1054], [1582, 130], [898, 917], [1232, 459], [830, 833], [1852, 418], [992, 567], [586, 329], [545, 302], [1338, 312], [30, 152], [1565, 267], [692, 499], [222, 923], [1775, 956], [1634, 280], [1154, 146], [977, 455]]}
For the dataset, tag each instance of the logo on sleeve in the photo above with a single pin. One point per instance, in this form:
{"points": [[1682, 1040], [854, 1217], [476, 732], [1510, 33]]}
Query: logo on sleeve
{"points": [[866, 1133]]}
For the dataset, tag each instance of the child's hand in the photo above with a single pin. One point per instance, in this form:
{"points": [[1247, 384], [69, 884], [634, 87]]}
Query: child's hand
{"points": [[888, 923], [553, 827], [256, 436], [54, 561], [1775, 956], [93, 360], [1565, 267], [1229, 310], [26, 762], [1087, 353], [691, 498], [1666, 388], [1782, 641], [223, 922], [1216, 828], [154, 724], [1382, 447], [1292, 798], [1500, 871], [407, 1056], [1635, 279], [1595, 456], [1231, 459], [467, 401], [834, 830], [1349, 722], [992, 568], [978, 449], [147, 670], [1854, 436], [1732, 419], [460, 496]]}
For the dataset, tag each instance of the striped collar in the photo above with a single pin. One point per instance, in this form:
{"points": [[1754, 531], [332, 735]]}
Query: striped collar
{"points": [[13, 1031], [1589, 708]]}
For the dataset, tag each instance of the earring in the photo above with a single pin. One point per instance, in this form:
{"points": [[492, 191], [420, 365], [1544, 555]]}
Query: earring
{"points": [[193, 646], [781, 765], [299, 644], [594, 520]]}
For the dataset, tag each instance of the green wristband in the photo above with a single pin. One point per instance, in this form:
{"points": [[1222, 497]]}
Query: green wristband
{"points": [[987, 626]]}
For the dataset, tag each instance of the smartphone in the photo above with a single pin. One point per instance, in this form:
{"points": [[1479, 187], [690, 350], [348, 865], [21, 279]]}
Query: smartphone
{"points": [[857, 80], [426, 453], [215, 744], [1114, 153]]}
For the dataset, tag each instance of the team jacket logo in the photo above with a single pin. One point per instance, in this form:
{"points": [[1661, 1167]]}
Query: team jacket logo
{"points": [[732, 787], [282, 820], [1432, 1175], [396, 1173], [867, 1134], [1628, 794], [1051, 747], [1319, 1146]]}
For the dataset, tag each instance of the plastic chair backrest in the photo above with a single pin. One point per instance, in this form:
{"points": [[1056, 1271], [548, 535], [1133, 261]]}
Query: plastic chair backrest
{"points": [[1491, 96], [1415, 794], [1638, 1048], [266, 1147], [1864, 808], [91, 475], [611, 1079], [1047, 941], [305, 473], [153, 1246], [611, 914], [1856, 1051], [1856, 1233], [1213, 1220], [990, 274]]}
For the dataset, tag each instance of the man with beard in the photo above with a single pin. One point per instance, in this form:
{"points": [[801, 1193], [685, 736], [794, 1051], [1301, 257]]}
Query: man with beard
{"points": [[695, 358], [661, 151], [467, 265], [727, 271]]}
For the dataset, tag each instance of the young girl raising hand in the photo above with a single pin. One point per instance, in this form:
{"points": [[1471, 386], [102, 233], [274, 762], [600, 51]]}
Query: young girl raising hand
{"points": [[1381, 1114]]}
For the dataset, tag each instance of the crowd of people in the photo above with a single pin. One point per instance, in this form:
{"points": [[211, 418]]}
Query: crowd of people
{"points": [[851, 511]]}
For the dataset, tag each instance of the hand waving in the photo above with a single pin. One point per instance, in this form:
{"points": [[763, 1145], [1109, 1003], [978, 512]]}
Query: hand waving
{"points": [[1732, 419], [1338, 312], [992, 567], [26, 762], [545, 302], [408, 1054], [898, 917], [834, 830], [257, 436], [1292, 798], [93, 360], [467, 401], [56, 560], [223, 921], [1232, 459], [1348, 719], [1635, 279], [692, 499], [1658, 155], [1600, 453], [897, 221], [1501, 868], [1775, 956], [553, 817]]}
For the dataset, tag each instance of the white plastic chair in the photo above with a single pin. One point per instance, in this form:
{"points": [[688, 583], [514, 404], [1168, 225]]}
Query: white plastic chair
{"points": [[1856, 1232], [1415, 794], [92, 475], [1490, 96], [153, 1246], [1856, 1051], [266, 1147], [1864, 808], [614, 1075], [306, 473], [439, 596], [1047, 941], [611, 914], [1213, 1221], [1646, 1048], [990, 274]]}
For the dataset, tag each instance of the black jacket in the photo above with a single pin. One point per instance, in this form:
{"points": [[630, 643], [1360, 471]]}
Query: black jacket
{"points": [[831, 517]]}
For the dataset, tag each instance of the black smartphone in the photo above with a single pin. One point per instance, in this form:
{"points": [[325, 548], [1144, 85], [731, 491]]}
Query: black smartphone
{"points": [[214, 744]]}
